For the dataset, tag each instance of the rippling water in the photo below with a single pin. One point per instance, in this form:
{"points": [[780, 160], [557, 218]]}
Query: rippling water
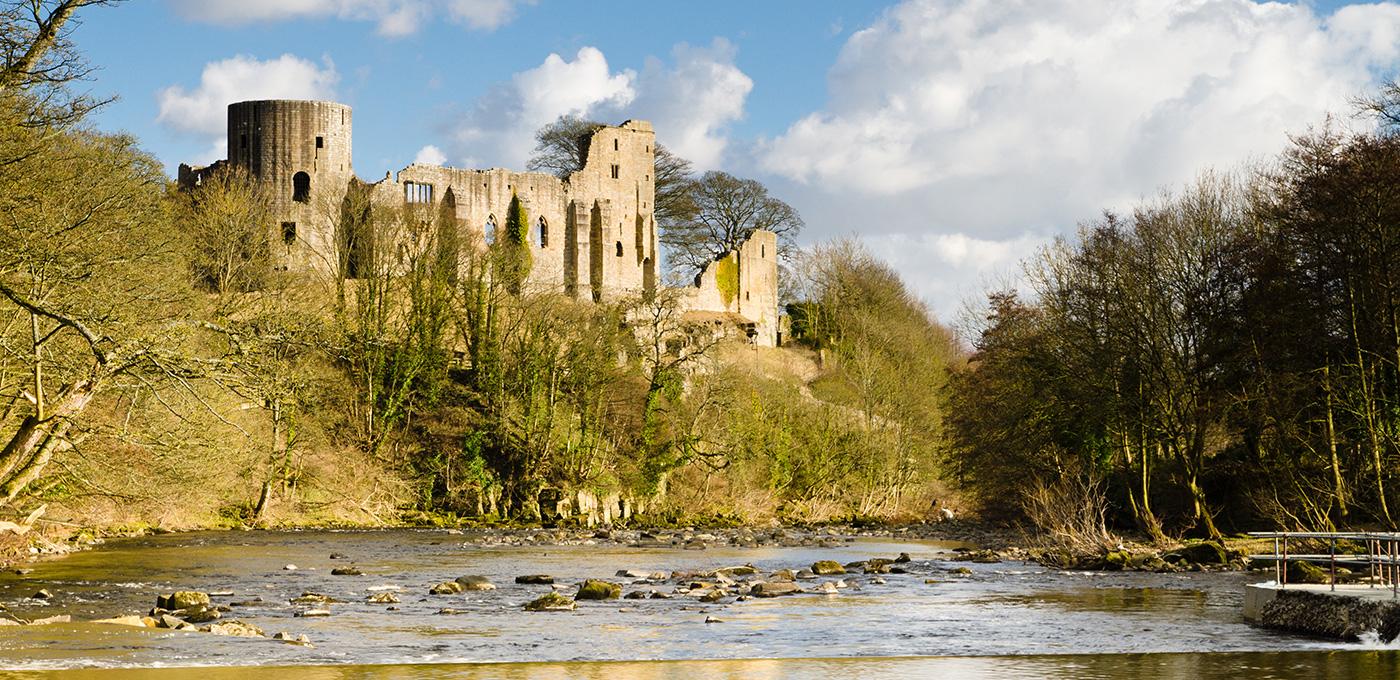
{"points": [[1026, 616]]}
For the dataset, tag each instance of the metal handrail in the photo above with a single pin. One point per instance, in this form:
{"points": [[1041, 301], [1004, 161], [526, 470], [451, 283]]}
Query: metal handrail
{"points": [[1382, 555]]}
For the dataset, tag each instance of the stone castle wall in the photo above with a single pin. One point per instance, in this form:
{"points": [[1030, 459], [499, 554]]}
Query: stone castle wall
{"points": [[592, 235]]}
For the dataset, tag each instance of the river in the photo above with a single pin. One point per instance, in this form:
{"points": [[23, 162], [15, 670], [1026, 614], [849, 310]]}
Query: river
{"points": [[1002, 620]]}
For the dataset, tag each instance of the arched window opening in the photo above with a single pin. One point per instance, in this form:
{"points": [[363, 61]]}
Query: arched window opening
{"points": [[490, 230], [544, 233], [301, 187], [619, 248]]}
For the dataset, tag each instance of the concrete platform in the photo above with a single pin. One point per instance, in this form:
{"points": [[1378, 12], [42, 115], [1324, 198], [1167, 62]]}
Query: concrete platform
{"points": [[1344, 613]]}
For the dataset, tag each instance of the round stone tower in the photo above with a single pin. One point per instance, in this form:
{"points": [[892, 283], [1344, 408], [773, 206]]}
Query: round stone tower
{"points": [[300, 152]]}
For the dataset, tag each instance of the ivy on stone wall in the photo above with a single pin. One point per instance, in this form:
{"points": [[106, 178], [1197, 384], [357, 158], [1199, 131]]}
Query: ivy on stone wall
{"points": [[516, 258], [727, 278]]}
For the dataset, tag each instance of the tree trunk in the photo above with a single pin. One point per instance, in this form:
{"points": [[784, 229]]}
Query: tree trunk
{"points": [[34, 444], [1338, 486]]}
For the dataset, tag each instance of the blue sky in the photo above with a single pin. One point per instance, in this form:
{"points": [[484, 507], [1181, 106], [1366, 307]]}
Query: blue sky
{"points": [[954, 137]]}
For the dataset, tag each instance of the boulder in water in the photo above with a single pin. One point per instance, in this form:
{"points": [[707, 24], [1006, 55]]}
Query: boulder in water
{"points": [[475, 582], [593, 589], [827, 568], [774, 589], [183, 599], [234, 629], [447, 588], [550, 602], [535, 579]]}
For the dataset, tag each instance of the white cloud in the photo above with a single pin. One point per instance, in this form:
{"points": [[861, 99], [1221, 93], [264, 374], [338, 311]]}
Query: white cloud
{"points": [[945, 269], [1070, 104], [502, 124], [430, 155], [953, 128], [203, 110], [483, 14], [690, 103], [391, 17]]}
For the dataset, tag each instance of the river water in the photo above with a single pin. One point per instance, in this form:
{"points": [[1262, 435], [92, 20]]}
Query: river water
{"points": [[1003, 620]]}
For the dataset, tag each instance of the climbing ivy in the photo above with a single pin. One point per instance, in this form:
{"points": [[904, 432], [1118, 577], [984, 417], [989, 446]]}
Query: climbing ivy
{"points": [[727, 278], [516, 259]]}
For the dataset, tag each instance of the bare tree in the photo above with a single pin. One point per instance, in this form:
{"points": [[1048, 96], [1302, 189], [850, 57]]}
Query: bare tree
{"points": [[227, 218], [721, 212], [86, 292], [40, 59]]}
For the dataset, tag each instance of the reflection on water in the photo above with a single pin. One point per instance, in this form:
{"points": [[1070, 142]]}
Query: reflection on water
{"points": [[999, 610], [1217, 666]]}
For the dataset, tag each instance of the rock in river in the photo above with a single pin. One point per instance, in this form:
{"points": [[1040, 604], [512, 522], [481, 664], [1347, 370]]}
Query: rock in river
{"points": [[346, 571], [382, 598], [183, 599], [593, 589], [550, 602], [535, 579], [475, 582], [774, 589], [447, 588], [234, 629]]}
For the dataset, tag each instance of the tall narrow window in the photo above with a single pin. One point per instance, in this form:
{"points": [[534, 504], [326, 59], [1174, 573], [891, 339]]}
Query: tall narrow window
{"points": [[619, 248], [544, 233], [615, 147], [289, 233], [490, 230], [301, 187], [320, 142], [616, 171], [243, 141]]}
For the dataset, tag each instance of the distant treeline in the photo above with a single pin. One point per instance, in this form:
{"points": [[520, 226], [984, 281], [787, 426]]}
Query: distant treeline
{"points": [[1224, 357]]}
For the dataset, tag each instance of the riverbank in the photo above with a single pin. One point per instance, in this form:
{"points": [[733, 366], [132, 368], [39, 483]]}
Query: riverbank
{"points": [[981, 541]]}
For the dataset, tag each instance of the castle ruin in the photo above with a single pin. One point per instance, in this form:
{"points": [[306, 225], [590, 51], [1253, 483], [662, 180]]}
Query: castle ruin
{"points": [[592, 234]]}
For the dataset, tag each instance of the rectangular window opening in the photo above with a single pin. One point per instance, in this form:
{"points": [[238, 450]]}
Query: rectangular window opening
{"points": [[289, 233], [615, 145], [320, 142], [616, 171], [243, 141]]}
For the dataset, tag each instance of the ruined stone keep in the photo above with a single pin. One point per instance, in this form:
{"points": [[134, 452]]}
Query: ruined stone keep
{"points": [[592, 235]]}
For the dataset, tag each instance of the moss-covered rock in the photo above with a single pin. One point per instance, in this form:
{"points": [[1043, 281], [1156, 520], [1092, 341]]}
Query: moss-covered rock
{"points": [[827, 568], [593, 589], [1203, 552], [550, 602], [1306, 572], [1116, 560], [447, 588]]}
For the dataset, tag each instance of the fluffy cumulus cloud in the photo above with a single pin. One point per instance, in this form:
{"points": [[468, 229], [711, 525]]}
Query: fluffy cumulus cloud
{"points": [[990, 119], [202, 110], [391, 17], [499, 128], [693, 101], [690, 101], [1097, 97], [430, 155]]}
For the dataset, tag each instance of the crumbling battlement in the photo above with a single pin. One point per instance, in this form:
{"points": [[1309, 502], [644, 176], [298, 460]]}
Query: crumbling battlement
{"points": [[592, 235]]}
